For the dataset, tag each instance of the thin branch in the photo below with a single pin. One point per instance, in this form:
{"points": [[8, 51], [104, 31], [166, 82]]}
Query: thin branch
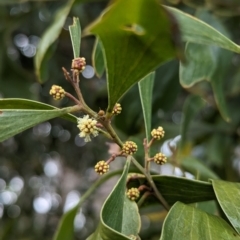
{"points": [[106, 134], [143, 198], [152, 184], [146, 155], [112, 132], [71, 97]]}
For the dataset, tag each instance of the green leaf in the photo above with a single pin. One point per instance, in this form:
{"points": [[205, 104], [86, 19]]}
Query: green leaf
{"points": [[145, 91], [216, 156], [75, 33], [207, 63], [166, 79], [227, 194], [197, 31], [18, 120], [209, 207], [65, 228], [194, 3], [131, 218], [191, 107], [197, 168], [48, 38], [98, 58], [218, 83], [136, 37], [201, 65], [188, 223], [175, 189], [20, 103], [119, 216], [185, 190]]}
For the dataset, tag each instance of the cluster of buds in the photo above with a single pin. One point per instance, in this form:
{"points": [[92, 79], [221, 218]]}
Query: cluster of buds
{"points": [[158, 133], [87, 127], [133, 194], [160, 159], [117, 109], [79, 64], [57, 92], [101, 167], [129, 148]]}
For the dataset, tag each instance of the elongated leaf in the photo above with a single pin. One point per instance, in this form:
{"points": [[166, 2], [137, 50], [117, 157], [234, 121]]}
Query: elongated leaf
{"points": [[185, 190], [166, 79], [131, 218], [49, 37], [175, 189], [227, 194], [191, 106], [145, 90], [75, 33], [215, 155], [116, 221], [136, 37], [218, 83], [201, 65], [197, 168], [188, 223], [208, 63], [98, 58], [18, 120], [66, 226], [197, 31], [20, 103]]}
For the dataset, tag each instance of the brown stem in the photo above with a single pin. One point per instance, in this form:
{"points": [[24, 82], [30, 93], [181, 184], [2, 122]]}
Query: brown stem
{"points": [[70, 96], [112, 158], [152, 184], [67, 75], [143, 198], [144, 188], [146, 157], [72, 109], [104, 133], [150, 143], [74, 80], [111, 131]]}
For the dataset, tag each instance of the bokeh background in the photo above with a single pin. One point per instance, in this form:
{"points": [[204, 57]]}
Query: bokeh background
{"points": [[45, 170]]}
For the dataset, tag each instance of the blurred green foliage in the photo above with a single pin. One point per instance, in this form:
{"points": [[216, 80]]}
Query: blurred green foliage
{"points": [[213, 142]]}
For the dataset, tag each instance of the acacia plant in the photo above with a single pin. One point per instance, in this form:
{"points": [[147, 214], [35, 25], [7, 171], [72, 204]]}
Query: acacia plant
{"points": [[133, 38]]}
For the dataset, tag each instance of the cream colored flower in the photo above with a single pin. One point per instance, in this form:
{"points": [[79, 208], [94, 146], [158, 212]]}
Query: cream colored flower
{"points": [[87, 127], [158, 133]]}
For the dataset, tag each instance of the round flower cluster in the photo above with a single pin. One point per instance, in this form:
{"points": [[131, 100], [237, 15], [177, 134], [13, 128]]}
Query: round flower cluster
{"points": [[101, 167], [158, 133], [160, 158], [87, 127], [79, 64], [117, 109], [133, 194], [57, 92], [129, 148]]}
